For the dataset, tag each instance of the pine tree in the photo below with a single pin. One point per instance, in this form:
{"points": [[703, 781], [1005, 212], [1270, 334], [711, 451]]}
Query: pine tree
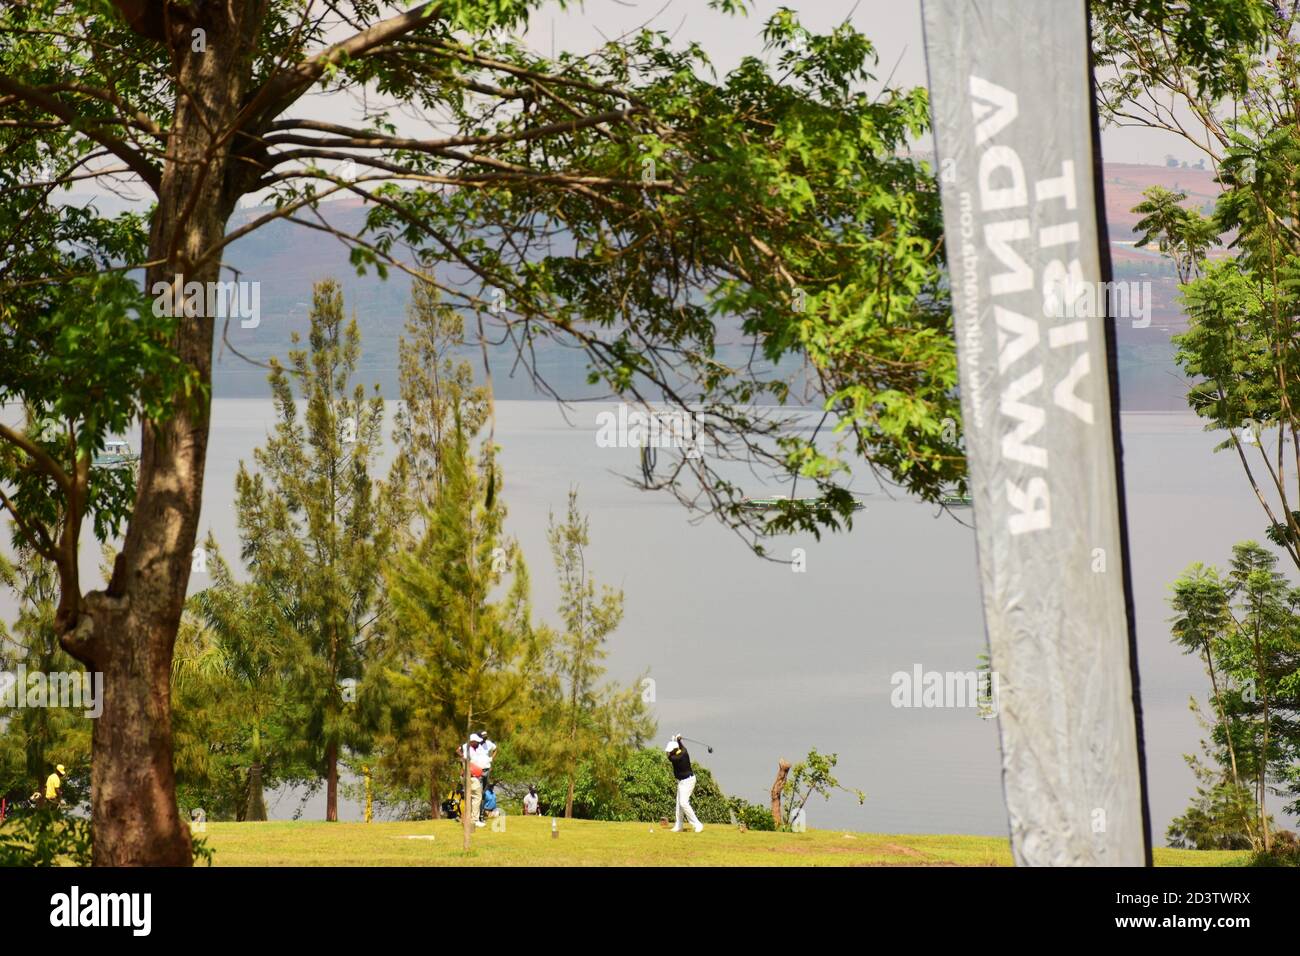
{"points": [[436, 386], [470, 655], [315, 533], [437, 389]]}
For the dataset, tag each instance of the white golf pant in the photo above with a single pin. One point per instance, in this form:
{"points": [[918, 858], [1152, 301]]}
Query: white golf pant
{"points": [[684, 790]]}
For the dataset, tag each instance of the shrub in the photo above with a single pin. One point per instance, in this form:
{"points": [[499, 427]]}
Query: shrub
{"points": [[1218, 818], [43, 836], [48, 836], [642, 789], [1285, 852], [752, 815], [1279, 856]]}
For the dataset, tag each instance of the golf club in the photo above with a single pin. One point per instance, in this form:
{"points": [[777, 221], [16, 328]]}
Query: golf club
{"points": [[700, 742]]}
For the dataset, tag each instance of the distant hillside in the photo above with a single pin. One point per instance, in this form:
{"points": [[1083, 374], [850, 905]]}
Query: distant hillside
{"points": [[1149, 378], [1125, 183], [287, 258]]}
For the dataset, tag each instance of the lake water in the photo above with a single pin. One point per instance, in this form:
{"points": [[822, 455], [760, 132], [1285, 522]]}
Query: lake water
{"points": [[763, 662]]}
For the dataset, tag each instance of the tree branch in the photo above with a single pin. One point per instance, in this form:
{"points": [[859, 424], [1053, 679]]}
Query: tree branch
{"points": [[56, 107], [42, 458], [281, 91]]}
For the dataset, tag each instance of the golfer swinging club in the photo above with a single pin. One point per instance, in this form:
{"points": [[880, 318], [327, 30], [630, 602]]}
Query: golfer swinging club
{"points": [[681, 762]]}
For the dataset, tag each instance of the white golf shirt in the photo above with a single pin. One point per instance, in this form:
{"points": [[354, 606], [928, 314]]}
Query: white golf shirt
{"points": [[480, 758]]}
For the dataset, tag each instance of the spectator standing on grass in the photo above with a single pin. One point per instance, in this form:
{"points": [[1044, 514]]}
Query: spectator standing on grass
{"points": [[681, 761], [54, 786], [530, 802], [486, 751], [473, 753]]}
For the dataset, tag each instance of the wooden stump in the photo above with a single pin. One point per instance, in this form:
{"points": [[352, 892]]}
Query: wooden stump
{"points": [[782, 769]]}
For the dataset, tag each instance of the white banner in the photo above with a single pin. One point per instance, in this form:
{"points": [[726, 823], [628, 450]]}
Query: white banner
{"points": [[1013, 125]]}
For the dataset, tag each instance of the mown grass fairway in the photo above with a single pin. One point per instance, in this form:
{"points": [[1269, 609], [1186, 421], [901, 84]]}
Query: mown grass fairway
{"points": [[527, 841]]}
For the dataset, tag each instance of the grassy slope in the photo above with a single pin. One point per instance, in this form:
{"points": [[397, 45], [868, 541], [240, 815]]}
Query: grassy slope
{"points": [[527, 841]]}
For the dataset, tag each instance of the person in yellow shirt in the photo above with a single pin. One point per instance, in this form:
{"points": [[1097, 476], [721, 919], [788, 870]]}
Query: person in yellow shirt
{"points": [[54, 786]]}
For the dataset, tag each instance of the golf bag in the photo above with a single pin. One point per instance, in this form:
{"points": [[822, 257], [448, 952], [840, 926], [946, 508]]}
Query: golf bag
{"points": [[454, 804]]}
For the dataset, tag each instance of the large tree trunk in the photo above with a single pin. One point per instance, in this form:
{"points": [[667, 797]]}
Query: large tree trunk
{"points": [[256, 809], [435, 774], [128, 631], [133, 789], [437, 767]]}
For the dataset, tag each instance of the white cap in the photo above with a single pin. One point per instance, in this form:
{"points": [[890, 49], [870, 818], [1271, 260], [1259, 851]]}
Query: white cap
{"points": [[475, 739], [671, 745]]}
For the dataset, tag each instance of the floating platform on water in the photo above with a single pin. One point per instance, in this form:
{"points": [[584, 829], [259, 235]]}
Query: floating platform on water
{"points": [[776, 502], [116, 454]]}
